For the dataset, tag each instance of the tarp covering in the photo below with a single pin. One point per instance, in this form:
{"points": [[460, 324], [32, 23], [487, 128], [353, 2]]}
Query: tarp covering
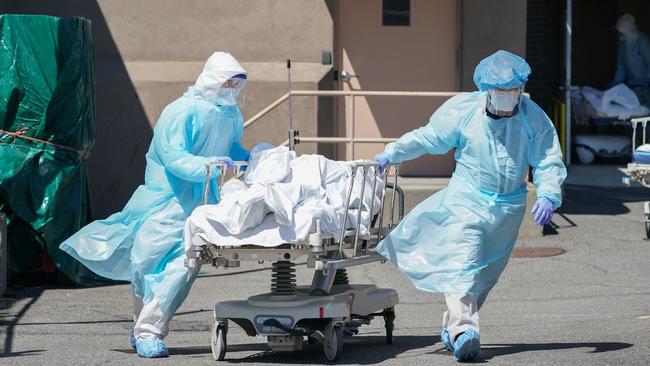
{"points": [[47, 113]]}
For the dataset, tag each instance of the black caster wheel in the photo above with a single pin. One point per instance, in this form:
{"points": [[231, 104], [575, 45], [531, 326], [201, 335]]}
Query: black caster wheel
{"points": [[389, 323], [333, 343]]}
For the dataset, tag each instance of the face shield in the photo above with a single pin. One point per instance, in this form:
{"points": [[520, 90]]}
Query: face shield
{"points": [[231, 91], [504, 102]]}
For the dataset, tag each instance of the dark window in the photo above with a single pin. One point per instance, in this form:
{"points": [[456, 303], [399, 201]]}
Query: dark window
{"points": [[396, 12]]}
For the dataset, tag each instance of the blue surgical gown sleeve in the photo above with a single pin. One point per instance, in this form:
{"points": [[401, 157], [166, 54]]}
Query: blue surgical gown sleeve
{"points": [[545, 156], [238, 152], [438, 136], [172, 138]]}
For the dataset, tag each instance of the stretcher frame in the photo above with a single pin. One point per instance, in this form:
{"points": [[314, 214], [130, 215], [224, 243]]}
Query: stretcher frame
{"points": [[639, 172], [330, 306]]}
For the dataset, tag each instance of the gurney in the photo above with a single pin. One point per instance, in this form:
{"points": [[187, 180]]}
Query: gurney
{"points": [[600, 111], [330, 306], [639, 169]]}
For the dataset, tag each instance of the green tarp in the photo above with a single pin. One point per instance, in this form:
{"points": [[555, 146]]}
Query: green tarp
{"points": [[47, 113]]}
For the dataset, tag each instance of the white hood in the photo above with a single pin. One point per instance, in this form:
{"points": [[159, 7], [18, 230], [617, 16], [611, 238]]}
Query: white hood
{"points": [[220, 67]]}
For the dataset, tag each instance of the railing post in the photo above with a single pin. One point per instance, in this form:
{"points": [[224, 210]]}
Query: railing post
{"points": [[353, 126]]}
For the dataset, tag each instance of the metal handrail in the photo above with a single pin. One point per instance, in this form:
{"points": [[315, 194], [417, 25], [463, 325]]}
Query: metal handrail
{"points": [[635, 121], [223, 170], [352, 139], [365, 168]]}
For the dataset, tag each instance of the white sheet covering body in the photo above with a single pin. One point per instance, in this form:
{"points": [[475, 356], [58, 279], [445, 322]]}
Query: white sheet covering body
{"points": [[618, 101], [279, 200]]}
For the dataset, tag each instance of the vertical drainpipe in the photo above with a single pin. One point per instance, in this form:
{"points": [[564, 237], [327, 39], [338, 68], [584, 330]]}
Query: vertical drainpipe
{"points": [[567, 80]]}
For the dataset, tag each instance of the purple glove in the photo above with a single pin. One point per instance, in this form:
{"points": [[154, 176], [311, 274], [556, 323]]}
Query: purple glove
{"points": [[542, 211], [382, 160], [224, 159]]}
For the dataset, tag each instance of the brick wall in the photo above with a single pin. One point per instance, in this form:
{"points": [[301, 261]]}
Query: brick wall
{"points": [[545, 49]]}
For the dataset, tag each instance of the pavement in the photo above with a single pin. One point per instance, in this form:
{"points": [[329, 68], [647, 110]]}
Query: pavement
{"points": [[593, 175], [588, 306]]}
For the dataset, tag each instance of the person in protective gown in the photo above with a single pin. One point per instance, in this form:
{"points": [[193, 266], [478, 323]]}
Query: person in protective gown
{"points": [[633, 66], [144, 242], [459, 240]]}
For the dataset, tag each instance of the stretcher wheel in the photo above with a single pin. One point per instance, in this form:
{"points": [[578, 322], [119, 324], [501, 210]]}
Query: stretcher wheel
{"points": [[333, 343], [218, 341], [389, 323]]}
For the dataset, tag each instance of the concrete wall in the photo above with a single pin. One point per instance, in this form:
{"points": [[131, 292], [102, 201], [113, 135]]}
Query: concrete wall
{"points": [[424, 56], [487, 27], [149, 51]]}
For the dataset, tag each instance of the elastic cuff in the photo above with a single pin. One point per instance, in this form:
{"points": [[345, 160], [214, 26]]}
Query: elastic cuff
{"points": [[389, 151], [554, 201]]}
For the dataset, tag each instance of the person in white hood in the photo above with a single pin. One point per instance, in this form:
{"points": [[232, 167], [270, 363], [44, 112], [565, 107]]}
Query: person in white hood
{"points": [[633, 67], [143, 243]]}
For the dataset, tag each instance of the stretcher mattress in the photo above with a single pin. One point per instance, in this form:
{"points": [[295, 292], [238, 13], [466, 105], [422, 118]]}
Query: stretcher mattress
{"points": [[642, 154]]}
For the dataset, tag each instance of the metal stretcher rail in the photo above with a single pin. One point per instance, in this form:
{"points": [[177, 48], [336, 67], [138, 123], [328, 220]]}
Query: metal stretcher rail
{"points": [[639, 172], [318, 246]]}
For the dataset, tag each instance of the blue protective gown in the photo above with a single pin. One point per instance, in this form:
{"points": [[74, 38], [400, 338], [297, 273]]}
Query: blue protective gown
{"points": [[633, 61], [460, 239], [144, 242], [633, 66]]}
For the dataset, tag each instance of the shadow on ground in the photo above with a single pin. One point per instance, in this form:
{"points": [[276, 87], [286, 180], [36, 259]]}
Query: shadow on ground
{"points": [[358, 350], [489, 351], [28, 297], [366, 350], [600, 201]]}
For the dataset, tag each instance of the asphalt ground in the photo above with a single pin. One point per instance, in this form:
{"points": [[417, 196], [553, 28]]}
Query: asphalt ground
{"points": [[588, 306]]}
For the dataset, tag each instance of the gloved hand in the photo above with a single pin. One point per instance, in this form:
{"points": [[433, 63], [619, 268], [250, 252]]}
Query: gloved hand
{"points": [[542, 211], [262, 146], [382, 160], [224, 159]]}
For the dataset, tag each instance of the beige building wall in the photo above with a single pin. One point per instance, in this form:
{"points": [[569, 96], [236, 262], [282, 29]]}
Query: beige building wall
{"points": [[417, 57], [149, 51]]}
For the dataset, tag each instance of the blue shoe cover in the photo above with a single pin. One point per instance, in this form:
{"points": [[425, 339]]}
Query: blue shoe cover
{"points": [[446, 340], [132, 336], [467, 345], [151, 348]]}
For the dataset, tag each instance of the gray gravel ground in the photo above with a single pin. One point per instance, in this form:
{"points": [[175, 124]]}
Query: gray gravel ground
{"points": [[589, 306]]}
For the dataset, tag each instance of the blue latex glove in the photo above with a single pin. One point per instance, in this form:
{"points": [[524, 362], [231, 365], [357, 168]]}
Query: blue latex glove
{"points": [[382, 160], [226, 160], [261, 147], [542, 211]]}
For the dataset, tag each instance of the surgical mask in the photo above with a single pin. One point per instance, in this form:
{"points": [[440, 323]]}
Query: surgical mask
{"points": [[226, 97], [503, 103]]}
